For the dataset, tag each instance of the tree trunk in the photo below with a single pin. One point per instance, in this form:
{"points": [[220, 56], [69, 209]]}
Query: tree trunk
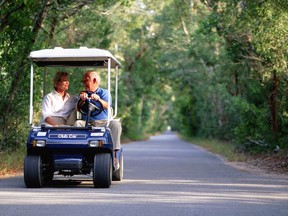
{"points": [[273, 101]]}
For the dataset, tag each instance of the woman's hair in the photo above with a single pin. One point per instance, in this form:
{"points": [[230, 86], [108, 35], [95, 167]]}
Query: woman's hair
{"points": [[59, 77]]}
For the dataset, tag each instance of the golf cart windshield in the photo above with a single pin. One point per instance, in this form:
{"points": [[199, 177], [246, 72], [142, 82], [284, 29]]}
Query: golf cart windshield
{"points": [[82, 57]]}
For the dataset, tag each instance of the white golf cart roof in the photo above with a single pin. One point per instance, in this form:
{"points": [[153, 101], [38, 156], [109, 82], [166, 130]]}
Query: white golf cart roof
{"points": [[82, 56]]}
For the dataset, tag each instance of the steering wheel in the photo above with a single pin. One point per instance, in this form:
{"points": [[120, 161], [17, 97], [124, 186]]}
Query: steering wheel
{"points": [[96, 107]]}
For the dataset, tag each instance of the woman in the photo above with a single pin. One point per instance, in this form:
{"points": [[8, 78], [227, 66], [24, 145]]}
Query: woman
{"points": [[58, 107]]}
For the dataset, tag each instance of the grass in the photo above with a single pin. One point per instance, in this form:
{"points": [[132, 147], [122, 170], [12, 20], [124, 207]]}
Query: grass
{"points": [[225, 149], [11, 162]]}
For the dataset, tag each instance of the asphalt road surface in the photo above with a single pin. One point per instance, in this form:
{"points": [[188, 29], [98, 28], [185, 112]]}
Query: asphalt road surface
{"points": [[163, 176]]}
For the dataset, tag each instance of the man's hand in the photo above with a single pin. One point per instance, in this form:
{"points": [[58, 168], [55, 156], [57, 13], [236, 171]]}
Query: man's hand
{"points": [[83, 96], [95, 97]]}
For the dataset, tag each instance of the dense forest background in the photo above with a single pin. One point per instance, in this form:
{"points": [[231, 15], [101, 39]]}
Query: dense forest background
{"points": [[209, 68]]}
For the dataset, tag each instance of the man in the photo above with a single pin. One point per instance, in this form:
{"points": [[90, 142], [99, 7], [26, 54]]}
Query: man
{"points": [[91, 81], [58, 105]]}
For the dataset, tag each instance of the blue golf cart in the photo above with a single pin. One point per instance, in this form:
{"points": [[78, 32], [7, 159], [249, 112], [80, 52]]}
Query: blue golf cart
{"points": [[68, 150]]}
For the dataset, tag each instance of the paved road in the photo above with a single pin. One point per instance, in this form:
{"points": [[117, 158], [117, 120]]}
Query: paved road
{"points": [[163, 176]]}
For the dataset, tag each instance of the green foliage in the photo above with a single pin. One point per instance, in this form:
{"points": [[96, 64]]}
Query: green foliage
{"points": [[185, 118], [253, 125], [255, 44], [16, 38]]}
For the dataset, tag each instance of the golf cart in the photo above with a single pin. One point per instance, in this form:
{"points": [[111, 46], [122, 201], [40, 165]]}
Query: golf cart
{"points": [[68, 150]]}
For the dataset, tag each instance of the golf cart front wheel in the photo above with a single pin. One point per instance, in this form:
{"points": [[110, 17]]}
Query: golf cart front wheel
{"points": [[33, 171], [102, 170]]}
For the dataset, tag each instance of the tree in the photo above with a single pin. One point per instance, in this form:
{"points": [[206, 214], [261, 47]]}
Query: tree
{"points": [[19, 32], [254, 35]]}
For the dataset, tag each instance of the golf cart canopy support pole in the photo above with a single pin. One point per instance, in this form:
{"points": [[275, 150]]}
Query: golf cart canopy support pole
{"points": [[31, 95], [116, 92], [109, 90]]}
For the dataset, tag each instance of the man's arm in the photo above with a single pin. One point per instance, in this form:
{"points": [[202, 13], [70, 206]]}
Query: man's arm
{"points": [[96, 97]]}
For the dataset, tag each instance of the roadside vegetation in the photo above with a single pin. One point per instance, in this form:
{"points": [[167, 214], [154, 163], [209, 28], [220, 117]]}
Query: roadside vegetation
{"points": [[222, 148], [212, 69], [11, 162]]}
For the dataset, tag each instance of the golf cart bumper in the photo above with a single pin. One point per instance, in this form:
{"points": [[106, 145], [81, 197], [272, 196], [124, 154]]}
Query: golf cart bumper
{"points": [[69, 137], [69, 148], [62, 162]]}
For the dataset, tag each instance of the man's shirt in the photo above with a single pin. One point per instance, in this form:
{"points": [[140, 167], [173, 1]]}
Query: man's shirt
{"points": [[104, 95]]}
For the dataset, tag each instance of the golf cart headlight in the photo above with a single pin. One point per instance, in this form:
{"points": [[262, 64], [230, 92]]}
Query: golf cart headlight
{"points": [[95, 143], [40, 143]]}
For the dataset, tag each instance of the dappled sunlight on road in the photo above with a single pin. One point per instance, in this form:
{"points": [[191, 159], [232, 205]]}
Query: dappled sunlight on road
{"points": [[200, 183], [158, 191]]}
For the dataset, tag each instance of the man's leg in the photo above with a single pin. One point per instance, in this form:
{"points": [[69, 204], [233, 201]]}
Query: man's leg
{"points": [[79, 123], [116, 130]]}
